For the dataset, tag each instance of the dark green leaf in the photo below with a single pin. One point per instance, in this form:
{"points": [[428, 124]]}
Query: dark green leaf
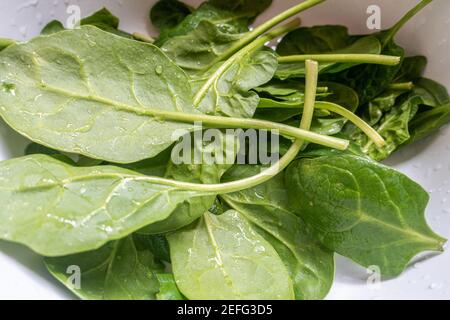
{"points": [[363, 210], [428, 122], [266, 207], [169, 13], [318, 39], [52, 27], [121, 270]]}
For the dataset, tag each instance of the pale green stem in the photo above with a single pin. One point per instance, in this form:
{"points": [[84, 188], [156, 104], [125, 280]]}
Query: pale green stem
{"points": [[353, 118], [143, 37], [357, 121], [212, 80], [406, 86], [312, 72], [216, 121], [396, 28], [258, 31], [348, 58]]}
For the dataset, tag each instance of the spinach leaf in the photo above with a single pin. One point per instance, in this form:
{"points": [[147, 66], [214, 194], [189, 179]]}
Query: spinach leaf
{"points": [[4, 43], [411, 69], [53, 27], [266, 207], [121, 270], [231, 94], [169, 13], [381, 105], [393, 112], [198, 48], [433, 93], [91, 91], [158, 245], [102, 19], [370, 80], [168, 289], [206, 172], [362, 210], [222, 257], [428, 122], [364, 45], [317, 39], [229, 21], [393, 127], [58, 209]]}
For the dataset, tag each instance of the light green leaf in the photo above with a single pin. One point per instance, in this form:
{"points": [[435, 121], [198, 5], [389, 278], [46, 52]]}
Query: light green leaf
{"points": [[206, 173], [230, 94], [222, 257], [267, 209], [121, 270], [168, 289], [86, 91], [363, 210], [57, 209]]}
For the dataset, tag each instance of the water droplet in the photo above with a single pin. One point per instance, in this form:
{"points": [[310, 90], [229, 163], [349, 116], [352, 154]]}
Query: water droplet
{"points": [[434, 286], [159, 70]]}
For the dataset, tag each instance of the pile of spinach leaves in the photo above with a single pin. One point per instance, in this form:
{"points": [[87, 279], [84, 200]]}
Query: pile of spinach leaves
{"points": [[140, 226]]}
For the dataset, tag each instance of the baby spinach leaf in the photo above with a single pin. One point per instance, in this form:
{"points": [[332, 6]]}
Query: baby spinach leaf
{"points": [[393, 127], [102, 19], [158, 245], [433, 93], [231, 94], [169, 13], [222, 257], [251, 8], [35, 148], [198, 48], [411, 69], [370, 80], [317, 39], [232, 22], [362, 210], [52, 27], [4, 43], [428, 122], [205, 172], [168, 289], [90, 92], [58, 209], [121, 270], [364, 45], [381, 105], [266, 207]]}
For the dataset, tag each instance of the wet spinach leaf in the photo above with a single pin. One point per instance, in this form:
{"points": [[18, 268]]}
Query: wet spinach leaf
{"points": [[169, 13], [58, 209], [86, 106], [267, 209], [363, 210], [121, 270], [222, 257]]}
